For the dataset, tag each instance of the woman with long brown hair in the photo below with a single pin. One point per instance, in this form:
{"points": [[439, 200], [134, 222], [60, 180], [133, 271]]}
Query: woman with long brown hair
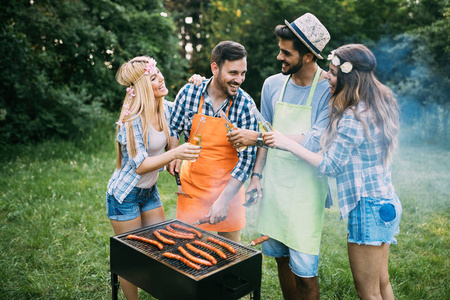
{"points": [[132, 198], [357, 149]]}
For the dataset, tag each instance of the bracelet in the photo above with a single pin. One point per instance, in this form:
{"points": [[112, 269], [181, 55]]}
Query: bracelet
{"points": [[257, 174]]}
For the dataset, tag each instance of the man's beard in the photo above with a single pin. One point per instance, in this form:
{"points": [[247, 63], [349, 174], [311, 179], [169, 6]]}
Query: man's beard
{"points": [[223, 85], [293, 69]]}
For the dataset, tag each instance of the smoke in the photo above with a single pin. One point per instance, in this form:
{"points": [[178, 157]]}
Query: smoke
{"points": [[408, 67]]}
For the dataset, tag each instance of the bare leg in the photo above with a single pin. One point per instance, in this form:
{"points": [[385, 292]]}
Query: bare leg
{"points": [[308, 288], [287, 279], [294, 287], [385, 285], [369, 265], [153, 216], [129, 290]]}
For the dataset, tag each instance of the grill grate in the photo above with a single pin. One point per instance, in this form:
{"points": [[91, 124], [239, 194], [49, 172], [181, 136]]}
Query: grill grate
{"points": [[242, 252]]}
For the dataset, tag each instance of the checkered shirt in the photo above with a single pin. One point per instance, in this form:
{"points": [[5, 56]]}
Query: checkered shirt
{"points": [[186, 105], [124, 180], [357, 162]]}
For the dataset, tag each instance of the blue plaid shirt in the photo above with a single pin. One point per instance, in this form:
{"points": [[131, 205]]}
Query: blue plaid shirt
{"points": [[357, 162], [125, 179], [186, 105]]}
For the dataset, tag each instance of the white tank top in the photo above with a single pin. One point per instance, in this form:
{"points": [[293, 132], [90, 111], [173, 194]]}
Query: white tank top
{"points": [[157, 141]]}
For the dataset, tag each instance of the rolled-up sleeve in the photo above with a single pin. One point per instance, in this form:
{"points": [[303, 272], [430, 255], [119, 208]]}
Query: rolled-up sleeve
{"points": [[141, 152], [350, 134]]}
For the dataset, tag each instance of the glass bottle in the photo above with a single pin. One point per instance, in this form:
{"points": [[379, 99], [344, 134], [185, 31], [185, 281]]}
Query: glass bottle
{"points": [[197, 137], [230, 127], [264, 126]]}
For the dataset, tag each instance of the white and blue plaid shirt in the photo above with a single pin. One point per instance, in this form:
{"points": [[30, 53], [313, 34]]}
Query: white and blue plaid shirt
{"points": [[357, 162], [125, 179], [186, 105]]}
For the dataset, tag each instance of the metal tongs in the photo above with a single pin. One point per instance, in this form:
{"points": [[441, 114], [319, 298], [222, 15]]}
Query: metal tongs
{"points": [[201, 221], [180, 191], [253, 196]]}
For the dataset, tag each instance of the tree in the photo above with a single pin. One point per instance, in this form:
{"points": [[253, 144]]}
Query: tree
{"points": [[59, 61]]}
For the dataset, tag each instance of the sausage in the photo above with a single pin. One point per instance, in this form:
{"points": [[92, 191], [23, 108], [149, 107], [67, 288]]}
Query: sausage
{"points": [[202, 253], [146, 240], [223, 244], [212, 248], [259, 240], [177, 235], [193, 258], [188, 235], [163, 239], [186, 261], [185, 228]]}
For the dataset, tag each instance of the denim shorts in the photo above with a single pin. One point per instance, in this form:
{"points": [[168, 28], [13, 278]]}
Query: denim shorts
{"points": [[374, 221], [302, 264], [136, 202]]}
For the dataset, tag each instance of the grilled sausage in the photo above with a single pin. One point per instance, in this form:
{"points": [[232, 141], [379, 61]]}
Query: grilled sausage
{"points": [[189, 229], [177, 235], [193, 258], [212, 248], [186, 261], [259, 240], [223, 244], [188, 235], [163, 239], [146, 240], [202, 253]]}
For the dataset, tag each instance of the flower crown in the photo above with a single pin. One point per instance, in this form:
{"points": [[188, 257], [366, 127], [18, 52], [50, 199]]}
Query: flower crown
{"points": [[345, 67], [130, 90], [148, 70]]}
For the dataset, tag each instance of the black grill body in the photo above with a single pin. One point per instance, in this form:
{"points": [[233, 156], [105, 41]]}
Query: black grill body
{"points": [[164, 278]]}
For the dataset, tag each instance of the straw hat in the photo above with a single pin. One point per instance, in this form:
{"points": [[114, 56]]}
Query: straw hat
{"points": [[311, 32]]}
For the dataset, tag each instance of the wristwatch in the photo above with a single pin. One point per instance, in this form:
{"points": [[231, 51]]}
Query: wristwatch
{"points": [[259, 142], [257, 174]]}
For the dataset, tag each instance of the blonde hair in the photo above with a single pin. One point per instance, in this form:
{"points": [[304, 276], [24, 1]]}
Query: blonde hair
{"points": [[361, 83], [143, 105]]}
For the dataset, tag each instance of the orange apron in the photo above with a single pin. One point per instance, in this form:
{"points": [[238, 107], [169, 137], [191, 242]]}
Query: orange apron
{"points": [[206, 178]]}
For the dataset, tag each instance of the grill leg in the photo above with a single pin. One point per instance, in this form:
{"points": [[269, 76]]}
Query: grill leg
{"points": [[256, 294], [114, 285]]}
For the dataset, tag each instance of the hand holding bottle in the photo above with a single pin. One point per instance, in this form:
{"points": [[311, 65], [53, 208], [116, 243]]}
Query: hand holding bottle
{"points": [[196, 139], [230, 128], [187, 152]]}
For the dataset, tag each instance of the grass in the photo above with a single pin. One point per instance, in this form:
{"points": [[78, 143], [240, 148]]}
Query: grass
{"points": [[55, 233]]}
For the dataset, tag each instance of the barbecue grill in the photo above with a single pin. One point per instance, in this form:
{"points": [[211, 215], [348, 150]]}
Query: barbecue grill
{"points": [[144, 265]]}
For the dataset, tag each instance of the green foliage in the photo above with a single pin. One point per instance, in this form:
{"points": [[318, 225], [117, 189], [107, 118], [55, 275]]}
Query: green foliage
{"points": [[59, 61], [409, 38]]}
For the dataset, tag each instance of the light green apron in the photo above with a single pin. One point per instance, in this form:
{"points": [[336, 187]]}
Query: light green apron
{"points": [[293, 203]]}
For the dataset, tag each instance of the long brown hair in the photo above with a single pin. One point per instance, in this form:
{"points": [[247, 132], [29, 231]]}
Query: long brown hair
{"points": [[143, 105], [361, 84]]}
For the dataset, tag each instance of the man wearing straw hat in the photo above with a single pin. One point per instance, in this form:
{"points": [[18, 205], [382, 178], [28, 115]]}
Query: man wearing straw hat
{"points": [[291, 212]]}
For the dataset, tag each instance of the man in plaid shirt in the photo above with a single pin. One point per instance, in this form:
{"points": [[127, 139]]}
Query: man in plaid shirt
{"points": [[215, 180]]}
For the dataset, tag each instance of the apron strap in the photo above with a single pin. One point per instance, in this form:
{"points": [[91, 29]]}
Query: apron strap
{"points": [[284, 88], [313, 87], [200, 106], [311, 91]]}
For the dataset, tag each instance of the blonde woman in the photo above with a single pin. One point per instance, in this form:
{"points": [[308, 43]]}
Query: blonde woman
{"points": [[357, 149], [142, 135]]}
